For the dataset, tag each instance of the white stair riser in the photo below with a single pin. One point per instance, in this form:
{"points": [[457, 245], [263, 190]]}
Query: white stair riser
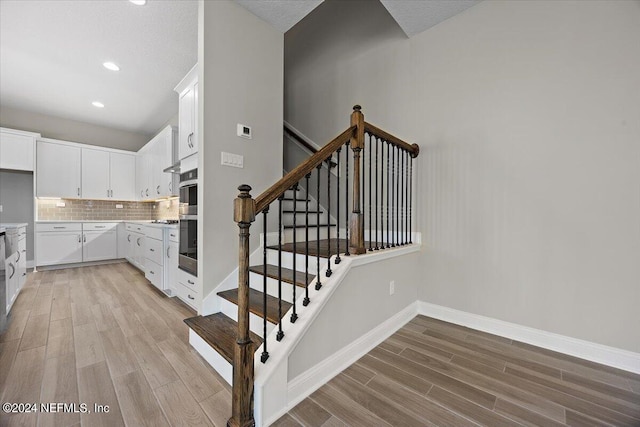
{"points": [[230, 310], [287, 260], [287, 219], [300, 234], [255, 282]]}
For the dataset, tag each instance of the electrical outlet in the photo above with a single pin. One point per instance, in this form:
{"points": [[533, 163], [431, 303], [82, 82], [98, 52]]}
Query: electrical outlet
{"points": [[119, 206], [0, 208], [392, 287], [60, 204]]}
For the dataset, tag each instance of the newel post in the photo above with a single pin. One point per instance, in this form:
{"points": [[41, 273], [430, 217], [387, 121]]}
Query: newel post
{"points": [[244, 213], [356, 243]]}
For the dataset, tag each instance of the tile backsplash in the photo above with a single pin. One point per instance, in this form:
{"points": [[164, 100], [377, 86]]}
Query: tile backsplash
{"points": [[96, 210]]}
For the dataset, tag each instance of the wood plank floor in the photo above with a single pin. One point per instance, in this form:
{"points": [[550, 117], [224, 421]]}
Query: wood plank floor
{"points": [[104, 335], [432, 373]]}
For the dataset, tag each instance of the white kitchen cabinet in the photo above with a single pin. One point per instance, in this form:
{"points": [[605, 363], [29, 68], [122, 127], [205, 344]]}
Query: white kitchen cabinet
{"points": [[95, 174], [123, 244], [62, 246], [171, 268], [58, 170], [138, 240], [143, 179], [17, 149], [122, 171], [164, 156], [12, 280], [188, 114], [108, 175], [99, 241]]}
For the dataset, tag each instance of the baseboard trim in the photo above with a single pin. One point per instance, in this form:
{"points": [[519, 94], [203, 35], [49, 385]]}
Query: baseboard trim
{"points": [[308, 382], [212, 357], [610, 356]]}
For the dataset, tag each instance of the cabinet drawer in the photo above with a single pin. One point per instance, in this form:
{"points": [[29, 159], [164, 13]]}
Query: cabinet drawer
{"points": [[153, 273], [174, 235], [60, 226], [188, 280], [138, 228], [153, 232], [99, 226], [188, 295], [154, 250]]}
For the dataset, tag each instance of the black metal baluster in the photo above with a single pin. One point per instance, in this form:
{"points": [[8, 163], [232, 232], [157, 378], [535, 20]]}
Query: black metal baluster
{"points": [[265, 353], [406, 198], [388, 185], [398, 193], [410, 196], [328, 272], [370, 197], [318, 283], [294, 315], [394, 224], [363, 190], [376, 215], [280, 333], [346, 198], [306, 300], [401, 210], [337, 260]]}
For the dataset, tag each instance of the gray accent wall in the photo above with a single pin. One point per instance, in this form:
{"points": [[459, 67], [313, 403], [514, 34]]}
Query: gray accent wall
{"points": [[16, 198], [526, 114], [72, 130], [241, 65]]}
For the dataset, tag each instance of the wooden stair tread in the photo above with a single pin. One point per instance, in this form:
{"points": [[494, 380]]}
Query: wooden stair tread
{"points": [[256, 303], [303, 211], [287, 274], [220, 332], [313, 250], [291, 199]]}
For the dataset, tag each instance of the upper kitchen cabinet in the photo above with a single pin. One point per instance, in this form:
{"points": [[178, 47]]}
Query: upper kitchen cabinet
{"points": [[58, 171], [143, 178], [157, 155], [108, 175], [17, 149], [188, 114]]}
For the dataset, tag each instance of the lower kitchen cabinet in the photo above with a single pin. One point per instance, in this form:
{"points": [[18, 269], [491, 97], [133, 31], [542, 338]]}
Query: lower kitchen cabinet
{"points": [[59, 243], [12, 280], [189, 289], [99, 241], [75, 242]]}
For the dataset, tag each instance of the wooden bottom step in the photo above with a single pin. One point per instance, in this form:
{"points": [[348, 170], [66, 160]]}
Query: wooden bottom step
{"points": [[256, 305], [287, 274], [220, 332]]}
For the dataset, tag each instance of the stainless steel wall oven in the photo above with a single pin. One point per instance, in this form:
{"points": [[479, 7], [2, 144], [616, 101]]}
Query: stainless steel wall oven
{"points": [[188, 250]]}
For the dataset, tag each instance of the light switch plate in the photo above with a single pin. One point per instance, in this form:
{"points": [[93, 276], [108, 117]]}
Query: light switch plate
{"points": [[244, 131], [61, 204], [233, 160]]}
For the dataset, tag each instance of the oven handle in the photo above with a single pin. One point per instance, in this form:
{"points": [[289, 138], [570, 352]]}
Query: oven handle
{"points": [[188, 183], [188, 217]]}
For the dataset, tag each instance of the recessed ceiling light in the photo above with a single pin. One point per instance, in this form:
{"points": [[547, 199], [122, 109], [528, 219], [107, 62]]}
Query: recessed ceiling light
{"points": [[97, 104], [139, 2], [111, 66]]}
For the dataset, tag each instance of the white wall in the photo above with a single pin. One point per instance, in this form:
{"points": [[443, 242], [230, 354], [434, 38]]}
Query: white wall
{"points": [[241, 67], [72, 130], [527, 114]]}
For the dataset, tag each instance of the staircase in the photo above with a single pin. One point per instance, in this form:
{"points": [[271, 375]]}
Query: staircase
{"points": [[365, 206], [219, 330]]}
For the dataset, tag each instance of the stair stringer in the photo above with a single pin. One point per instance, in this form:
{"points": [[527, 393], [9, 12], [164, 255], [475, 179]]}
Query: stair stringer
{"points": [[274, 393]]}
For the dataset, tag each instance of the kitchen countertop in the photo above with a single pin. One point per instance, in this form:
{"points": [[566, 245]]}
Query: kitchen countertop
{"points": [[10, 225], [2, 229], [145, 222]]}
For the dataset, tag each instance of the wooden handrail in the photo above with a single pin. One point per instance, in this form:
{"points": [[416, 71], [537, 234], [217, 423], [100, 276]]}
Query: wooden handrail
{"points": [[413, 149], [277, 189], [300, 140]]}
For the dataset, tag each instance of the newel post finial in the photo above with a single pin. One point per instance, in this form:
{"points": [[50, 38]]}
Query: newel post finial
{"points": [[357, 108], [244, 206]]}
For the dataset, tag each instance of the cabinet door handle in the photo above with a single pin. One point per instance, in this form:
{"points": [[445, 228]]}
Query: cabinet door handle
{"points": [[59, 228], [100, 226], [170, 186], [84, 238], [190, 282], [107, 193], [168, 255], [141, 194], [146, 192], [172, 235], [13, 270], [18, 257], [158, 189], [138, 241], [189, 296], [152, 250], [129, 238], [151, 271], [78, 191], [79, 239]]}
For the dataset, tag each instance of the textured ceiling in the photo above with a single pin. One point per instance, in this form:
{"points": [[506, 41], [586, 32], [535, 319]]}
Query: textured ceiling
{"points": [[51, 55], [416, 16], [282, 14]]}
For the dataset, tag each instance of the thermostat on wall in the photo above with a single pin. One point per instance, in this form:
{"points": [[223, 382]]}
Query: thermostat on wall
{"points": [[244, 131]]}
